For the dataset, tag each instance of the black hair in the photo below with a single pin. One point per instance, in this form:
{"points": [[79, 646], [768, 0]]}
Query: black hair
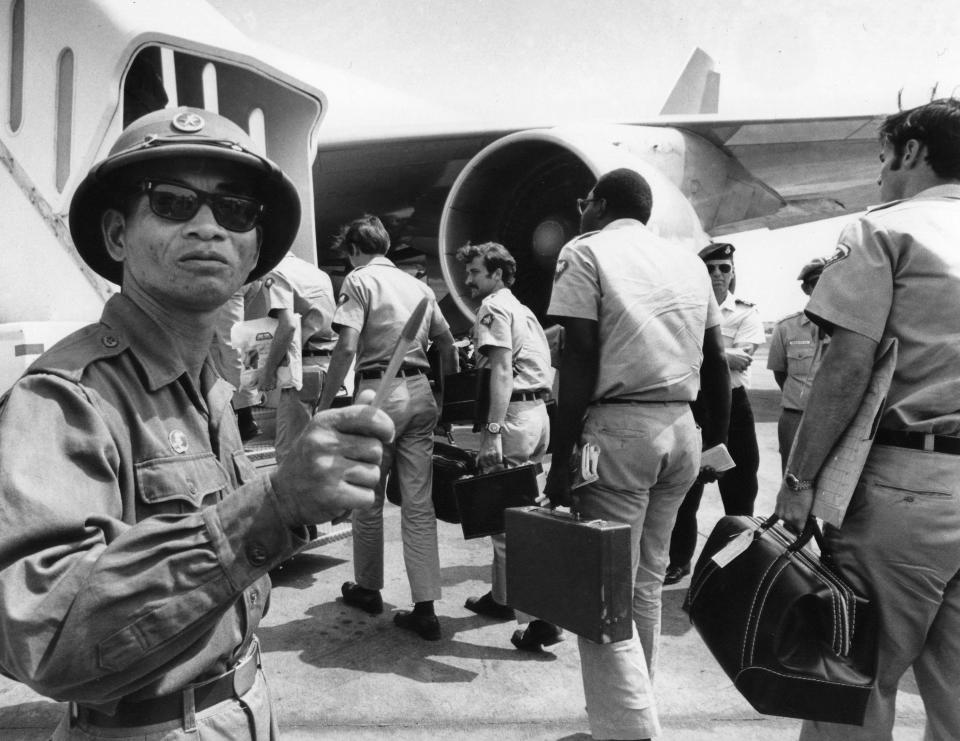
{"points": [[936, 125], [627, 194]]}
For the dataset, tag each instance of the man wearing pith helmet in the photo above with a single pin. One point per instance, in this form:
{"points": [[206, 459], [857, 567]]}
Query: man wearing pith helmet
{"points": [[135, 536]]}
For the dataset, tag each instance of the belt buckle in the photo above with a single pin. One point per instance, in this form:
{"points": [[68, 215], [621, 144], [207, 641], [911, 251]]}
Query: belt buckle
{"points": [[929, 442]]}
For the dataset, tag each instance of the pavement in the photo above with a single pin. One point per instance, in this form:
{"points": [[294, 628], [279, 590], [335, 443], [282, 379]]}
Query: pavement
{"points": [[338, 673]]}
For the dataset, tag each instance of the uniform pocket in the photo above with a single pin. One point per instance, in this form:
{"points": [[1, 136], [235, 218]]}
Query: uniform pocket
{"points": [[181, 478]]}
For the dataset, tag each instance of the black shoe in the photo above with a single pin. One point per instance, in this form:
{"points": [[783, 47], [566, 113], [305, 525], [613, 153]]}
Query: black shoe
{"points": [[675, 573], [489, 607], [249, 428], [537, 635], [425, 626], [368, 600]]}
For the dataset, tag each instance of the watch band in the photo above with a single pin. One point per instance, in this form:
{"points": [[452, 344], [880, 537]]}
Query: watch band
{"points": [[796, 484]]}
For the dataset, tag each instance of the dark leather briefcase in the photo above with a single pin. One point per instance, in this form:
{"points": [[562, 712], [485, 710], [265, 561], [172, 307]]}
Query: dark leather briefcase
{"points": [[482, 499], [794, 638], [570, 572], [449, 464], [466, 396]]}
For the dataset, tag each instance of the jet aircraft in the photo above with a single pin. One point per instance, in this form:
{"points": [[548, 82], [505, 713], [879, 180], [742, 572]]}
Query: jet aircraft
{"points": [[79, 73]]}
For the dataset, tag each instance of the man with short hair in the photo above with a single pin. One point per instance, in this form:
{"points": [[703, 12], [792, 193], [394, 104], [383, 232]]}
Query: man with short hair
{"points": [[638, 312], [135, 535], [376, 300], [296, 288], [896, 274], [510, 342], [796, 349]]}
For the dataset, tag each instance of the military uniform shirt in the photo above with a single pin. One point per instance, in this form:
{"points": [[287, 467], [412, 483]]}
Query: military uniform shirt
{"points": [[652, 300], [135, 535], [298, 286], [740, 325], [796, 349], [376, 299], [896, 273], [502, 321]]}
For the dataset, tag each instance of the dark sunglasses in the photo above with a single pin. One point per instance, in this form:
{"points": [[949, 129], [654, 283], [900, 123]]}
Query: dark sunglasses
{"points": [[584, 203], [723, 268], [181, 203]]}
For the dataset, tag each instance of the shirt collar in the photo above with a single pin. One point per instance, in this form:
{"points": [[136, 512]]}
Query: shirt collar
{"points": [[624, 223], [948, 190], [730, 302], [489, 297]]}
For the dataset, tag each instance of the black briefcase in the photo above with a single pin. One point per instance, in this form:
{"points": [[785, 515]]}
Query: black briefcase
{"points": [[466, 396], [449, 464], [794, 637], [571, 572], [482, 499]]}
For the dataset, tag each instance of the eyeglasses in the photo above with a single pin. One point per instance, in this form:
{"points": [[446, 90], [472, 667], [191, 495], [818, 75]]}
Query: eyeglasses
{"points": [[582, 203], [722, 267], [181, 203]]}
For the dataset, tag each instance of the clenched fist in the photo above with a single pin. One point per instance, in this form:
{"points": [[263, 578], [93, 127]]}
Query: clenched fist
{"points": [[334, 464]]}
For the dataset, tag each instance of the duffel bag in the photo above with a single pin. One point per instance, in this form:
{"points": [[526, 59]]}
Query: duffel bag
{"points": [[791, 634]]}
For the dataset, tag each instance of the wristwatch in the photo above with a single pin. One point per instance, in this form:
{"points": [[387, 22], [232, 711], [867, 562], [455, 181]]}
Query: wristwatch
{"points": [[492, 427], [795, 484]]}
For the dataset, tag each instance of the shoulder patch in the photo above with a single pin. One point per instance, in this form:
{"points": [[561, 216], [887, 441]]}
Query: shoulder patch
{"points": [[561, 267], [486, 320], [343, 299], [839, 254]]}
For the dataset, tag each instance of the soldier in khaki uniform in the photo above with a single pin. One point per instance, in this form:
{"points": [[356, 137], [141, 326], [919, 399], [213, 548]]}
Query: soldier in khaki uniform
{"points": [[796, 349], [295, 287], [896, 274], [638, 314], [376, 299], [511, 343], [135, 535]]}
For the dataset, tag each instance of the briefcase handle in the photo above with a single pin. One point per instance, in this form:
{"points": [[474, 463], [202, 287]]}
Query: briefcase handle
{"points": [[810, 530]]}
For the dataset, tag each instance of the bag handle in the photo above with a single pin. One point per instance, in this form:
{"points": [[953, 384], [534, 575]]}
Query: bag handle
{"points": [[810, 530]]}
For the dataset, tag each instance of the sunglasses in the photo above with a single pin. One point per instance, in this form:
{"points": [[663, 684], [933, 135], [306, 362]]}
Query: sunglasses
{"points": [[181, 203], [583, 203], [723, 268]]}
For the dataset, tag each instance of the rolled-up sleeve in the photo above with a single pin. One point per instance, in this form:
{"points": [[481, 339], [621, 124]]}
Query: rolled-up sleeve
{"points": [[94, 604]]}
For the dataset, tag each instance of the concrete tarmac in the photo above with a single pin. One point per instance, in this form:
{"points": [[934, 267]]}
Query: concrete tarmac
{"points": [[338, 673]]}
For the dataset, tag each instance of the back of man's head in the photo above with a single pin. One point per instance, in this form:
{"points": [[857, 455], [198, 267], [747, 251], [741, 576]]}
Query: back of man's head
{"points": [[366, 235], [494, 256], [627, 194], [936, 125]]}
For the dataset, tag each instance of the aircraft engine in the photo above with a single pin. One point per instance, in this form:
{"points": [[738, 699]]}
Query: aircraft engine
{"points": [[522, 190]]}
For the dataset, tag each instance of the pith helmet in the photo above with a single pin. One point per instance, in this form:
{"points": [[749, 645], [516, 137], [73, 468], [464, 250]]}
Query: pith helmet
{"points": [[182, 132]]}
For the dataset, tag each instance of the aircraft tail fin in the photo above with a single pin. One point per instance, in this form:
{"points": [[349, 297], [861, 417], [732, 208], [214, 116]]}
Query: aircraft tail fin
{"points": [[698, 88]]}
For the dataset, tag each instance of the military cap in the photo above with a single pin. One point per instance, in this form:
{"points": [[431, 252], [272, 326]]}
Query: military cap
{"points": [[187, 133], [812, 268], [717, 251]]}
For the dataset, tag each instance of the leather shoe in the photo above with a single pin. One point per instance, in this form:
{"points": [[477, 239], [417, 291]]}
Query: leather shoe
{"points": [[425, 626], [368, 600], [675, 573], [488, 607], [538, 634]]}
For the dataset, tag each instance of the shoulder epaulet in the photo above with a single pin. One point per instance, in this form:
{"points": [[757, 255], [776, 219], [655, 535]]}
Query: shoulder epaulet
{"points": [[73, 354], [743, 303], [794, 315], [585, 235]]}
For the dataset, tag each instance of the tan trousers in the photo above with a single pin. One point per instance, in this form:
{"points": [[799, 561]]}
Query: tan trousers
{"points": [[413, 410]]}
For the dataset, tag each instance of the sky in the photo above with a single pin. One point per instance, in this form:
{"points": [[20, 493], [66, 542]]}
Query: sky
{"points": [[616, 60]]}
